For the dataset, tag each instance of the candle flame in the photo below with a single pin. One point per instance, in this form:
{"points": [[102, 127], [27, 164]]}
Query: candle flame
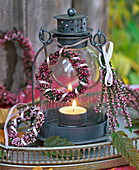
{"points": [[70, 87], [74, 104]]}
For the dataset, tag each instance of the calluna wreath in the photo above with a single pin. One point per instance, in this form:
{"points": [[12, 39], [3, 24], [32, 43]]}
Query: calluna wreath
{"points": [[31, 133], [44, 82], [6, 98]]}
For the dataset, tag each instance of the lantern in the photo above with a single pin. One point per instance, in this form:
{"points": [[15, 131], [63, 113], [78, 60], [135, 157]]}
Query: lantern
{"points": [[75, 63]]}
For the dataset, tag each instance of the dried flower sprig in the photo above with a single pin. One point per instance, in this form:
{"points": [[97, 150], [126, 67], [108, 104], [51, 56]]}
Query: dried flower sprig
{"points": [[118, 96]]}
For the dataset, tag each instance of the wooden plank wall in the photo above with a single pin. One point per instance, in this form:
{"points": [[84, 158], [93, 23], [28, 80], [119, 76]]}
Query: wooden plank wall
{"points": [[28, 16]]}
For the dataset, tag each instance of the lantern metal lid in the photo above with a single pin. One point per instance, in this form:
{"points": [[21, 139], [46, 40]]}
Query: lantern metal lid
{"points": [[71, 28], [71, 24]]}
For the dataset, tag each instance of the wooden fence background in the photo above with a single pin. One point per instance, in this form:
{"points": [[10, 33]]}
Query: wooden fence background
{"points": [[28, 16]]}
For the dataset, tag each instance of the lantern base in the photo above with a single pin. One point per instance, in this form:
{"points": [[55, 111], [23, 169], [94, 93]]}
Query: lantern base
{"points": [[93, 131]]}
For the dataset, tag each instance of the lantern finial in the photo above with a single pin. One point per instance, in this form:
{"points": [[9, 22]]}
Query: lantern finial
{"points": [[71, 12]]}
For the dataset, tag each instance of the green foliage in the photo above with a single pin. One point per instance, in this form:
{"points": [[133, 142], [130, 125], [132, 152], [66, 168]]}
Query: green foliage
{"points": [[56, 141], [124, 145], [124, 32], [133, 77]]}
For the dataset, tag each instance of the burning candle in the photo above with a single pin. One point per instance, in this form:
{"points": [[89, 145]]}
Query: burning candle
{"points": [[72, 115], [72, 110], [70, 87]]}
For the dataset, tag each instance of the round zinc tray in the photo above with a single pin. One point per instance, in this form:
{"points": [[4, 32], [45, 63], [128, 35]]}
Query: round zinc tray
{"points": [[95, 155]]}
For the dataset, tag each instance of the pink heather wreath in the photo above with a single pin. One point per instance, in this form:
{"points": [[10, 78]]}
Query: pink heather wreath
{"points": [[44, 82], [6, 98], [31, 133]]}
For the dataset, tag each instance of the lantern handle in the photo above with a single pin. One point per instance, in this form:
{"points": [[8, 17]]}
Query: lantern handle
{"points": [[42, 38], [98, 44], [45, 44]]}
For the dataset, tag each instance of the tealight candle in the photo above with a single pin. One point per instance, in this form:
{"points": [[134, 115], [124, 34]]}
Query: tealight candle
{"points": [[72, 115], [72, 110]]}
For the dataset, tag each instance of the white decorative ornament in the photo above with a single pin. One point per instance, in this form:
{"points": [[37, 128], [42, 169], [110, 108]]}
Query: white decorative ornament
{"points": [[107, 54]]}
